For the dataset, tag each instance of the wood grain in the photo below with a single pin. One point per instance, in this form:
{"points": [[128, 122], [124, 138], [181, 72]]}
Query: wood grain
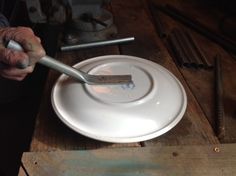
{"points": [[211, 160]]}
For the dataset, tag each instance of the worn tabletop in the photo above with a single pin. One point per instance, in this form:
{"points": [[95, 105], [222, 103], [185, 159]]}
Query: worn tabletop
{"points": [[197, 127]]}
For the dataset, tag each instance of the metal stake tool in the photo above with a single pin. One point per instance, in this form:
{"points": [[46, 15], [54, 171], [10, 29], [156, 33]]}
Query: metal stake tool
{"points": [[74, 73], [220, 121]]}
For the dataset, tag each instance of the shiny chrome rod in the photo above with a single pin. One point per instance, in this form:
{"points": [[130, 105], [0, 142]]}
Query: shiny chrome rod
{"points": [[96, 44]]}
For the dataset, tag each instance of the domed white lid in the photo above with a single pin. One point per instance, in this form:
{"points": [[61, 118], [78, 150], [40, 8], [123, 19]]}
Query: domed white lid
{"points": [[149, 107]]}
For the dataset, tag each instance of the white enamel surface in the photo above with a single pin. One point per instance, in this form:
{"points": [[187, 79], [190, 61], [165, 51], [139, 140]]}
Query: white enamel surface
{"points": [[151, 106]]}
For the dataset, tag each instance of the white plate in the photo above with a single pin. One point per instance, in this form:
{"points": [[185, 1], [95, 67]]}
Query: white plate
{"points": [[150, 107]]}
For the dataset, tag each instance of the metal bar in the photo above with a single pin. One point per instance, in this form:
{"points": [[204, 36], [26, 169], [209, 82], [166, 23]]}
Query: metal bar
{"points": [[176, 14], [180, 56], [97, 44], [199, 51], [220, 121], [182, 45], [193, 50], [186, 47], [157, 21]]}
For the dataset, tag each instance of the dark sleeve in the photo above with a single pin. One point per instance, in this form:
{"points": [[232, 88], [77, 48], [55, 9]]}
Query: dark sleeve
{"points": [[3, 21]]}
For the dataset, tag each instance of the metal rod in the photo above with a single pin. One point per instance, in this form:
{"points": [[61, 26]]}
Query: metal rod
{"points": [[187, 58], [157, 21], [180, 56], [186, 47], [220, 121], [193, 50], [97, 44], [199, 51], [176, 14]]}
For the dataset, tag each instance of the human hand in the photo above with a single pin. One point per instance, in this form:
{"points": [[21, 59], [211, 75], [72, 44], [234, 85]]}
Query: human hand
{"points": [[17, 65]]}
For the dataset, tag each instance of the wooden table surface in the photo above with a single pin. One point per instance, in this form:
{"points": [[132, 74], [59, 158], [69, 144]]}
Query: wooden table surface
{"points": [[133, 18]]}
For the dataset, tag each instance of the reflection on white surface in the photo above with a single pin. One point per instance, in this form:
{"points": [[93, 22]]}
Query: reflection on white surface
{"points": [[128, 86], [142, 84], [101, 90]]}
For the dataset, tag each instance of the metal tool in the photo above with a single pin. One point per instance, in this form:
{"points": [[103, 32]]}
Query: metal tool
{"points": [[202, 57], [157, 20], [180, 56], [187, 52], [96, 44], [220, 121], [188, 49], [185, 48], [74, 73]]}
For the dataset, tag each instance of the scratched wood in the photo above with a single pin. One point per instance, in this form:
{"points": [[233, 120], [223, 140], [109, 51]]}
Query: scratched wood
{"points": [[210, 160], [132, 19], [201, 82]]}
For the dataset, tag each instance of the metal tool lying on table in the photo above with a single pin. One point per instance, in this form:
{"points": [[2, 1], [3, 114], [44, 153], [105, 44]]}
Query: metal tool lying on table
{"points": [[96, 44], [186, 50], [77, 74], [219, 102], [157, 20]]}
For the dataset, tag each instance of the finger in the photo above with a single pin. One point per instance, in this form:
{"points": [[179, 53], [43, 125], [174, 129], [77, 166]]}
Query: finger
{"points": [[15, 72], [33, 49], [16, 78], [31, 43], [14, 58], [38, 39]]}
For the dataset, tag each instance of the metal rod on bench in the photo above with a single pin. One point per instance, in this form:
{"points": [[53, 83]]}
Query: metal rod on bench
{"points": [[220, 121], [187, 48], [157, 21], [96, 44], [199, 51], [180, 56]]}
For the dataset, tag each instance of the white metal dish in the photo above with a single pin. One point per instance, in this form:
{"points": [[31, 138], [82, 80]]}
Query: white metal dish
{"points": [[150, 107]]}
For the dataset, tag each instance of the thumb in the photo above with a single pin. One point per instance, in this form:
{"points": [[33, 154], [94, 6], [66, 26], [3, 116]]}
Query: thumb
{"points": [[14, 58]]}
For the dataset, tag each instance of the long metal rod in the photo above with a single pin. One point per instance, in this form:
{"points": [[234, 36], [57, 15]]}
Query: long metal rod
{"points": [[219, 39], [186, 47], [220, 119], [196, 58], [180, 56], [199, 51], [157, 20], [187, 58], [96, 44]]}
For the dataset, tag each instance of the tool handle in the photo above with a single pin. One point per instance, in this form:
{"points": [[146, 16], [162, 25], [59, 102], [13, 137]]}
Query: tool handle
{"points": [[52, 63]]}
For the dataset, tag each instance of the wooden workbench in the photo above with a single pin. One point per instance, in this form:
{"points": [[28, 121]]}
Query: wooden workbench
{"points": [[133, 18]]}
